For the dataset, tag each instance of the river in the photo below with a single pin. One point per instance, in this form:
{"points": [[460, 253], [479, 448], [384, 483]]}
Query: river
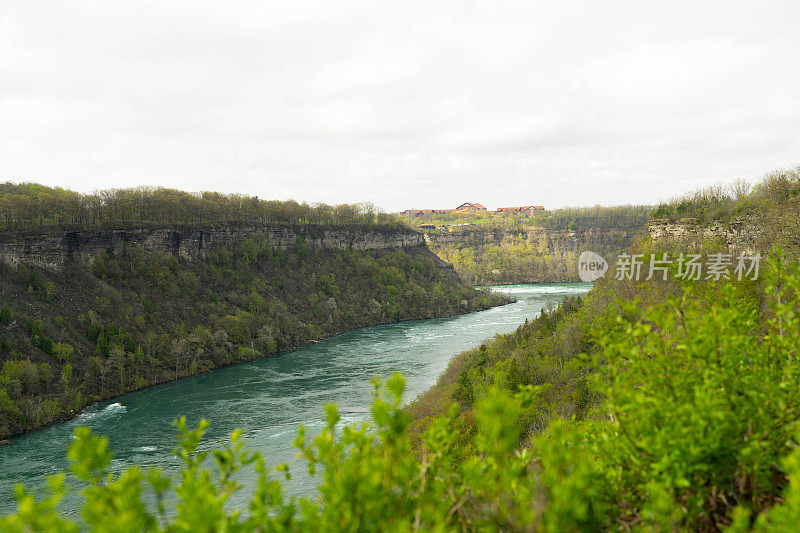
{"points": [[269, 397]]}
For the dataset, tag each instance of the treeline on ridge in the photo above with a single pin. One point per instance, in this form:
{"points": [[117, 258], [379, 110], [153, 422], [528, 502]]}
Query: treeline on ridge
{"points": [[778, 191], [30, 206], [567, 218]]}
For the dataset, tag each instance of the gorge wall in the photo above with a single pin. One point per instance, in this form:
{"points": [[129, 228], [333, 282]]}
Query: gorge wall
{"points": [[536, 254], [746, 236], [545, 241], [54, 249], [533, 254]]}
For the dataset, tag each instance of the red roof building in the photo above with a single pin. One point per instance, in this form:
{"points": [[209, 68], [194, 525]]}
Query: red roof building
{"points": [[469, 206]]}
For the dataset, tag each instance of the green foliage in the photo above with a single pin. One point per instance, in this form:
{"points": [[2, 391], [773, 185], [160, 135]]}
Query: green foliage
{"points": [[689, 399], [93, 331], [42, 515], [11, 417], [653, 406], [33, 281], [770, 200], [782, 517], [63, 351], [5, 315], [236, 329], [30, 205], [700, 398], [246, 353], [66, 375], [542, 353]]}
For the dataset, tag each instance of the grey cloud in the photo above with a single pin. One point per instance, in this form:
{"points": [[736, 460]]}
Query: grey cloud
{"points": [[404, 104]]}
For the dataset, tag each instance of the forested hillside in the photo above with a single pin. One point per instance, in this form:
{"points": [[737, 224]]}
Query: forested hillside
{"points": [[528, 248], [88, 331]]}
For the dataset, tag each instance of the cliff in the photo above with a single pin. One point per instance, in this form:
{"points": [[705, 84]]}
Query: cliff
{"points": [[533, 254], [737, 236], [543, 240], [53, 249]]}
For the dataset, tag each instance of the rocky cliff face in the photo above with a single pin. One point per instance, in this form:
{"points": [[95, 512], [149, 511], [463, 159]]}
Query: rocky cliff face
{"points": [[533, 254], [740, 236], [546, 242], [55, 249]]}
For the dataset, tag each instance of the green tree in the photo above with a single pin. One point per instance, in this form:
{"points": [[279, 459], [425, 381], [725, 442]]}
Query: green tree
{"points": [[5, 315]]}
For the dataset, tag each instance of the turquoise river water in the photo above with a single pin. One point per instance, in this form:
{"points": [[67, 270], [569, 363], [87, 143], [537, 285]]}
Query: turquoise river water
{"points": [[269, 397]]}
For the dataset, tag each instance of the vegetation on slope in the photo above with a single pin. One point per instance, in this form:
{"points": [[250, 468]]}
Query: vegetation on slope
{"points": [[546, 352], [777, 194], [560, 355], [521, 248], [70, 339]]}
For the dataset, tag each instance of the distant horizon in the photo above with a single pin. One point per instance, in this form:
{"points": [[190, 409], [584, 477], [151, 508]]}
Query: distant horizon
{"points": [[489, 208]]}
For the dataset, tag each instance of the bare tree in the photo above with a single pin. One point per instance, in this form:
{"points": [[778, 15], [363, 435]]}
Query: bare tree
{"points": [[739, 189]]}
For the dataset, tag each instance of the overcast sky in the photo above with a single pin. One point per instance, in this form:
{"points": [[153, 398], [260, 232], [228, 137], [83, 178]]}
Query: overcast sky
{"points": [[408, 104]]}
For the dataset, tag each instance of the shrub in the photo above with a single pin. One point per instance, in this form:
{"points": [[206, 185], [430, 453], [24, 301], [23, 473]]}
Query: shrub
{"points": [[5, 315], [246, 353], [698, 412], [63, 351]]}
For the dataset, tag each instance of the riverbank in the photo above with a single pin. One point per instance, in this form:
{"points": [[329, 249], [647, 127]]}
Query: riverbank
{"points": [[269, 397], [114, 397], [499, 361], [72, 338]]}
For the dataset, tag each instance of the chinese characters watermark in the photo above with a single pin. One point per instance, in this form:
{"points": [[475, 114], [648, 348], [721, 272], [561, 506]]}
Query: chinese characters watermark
{"points": [[715, 267]]}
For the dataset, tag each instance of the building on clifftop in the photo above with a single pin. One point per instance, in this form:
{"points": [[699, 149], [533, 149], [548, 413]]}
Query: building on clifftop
{"points": [[469, 207]]}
